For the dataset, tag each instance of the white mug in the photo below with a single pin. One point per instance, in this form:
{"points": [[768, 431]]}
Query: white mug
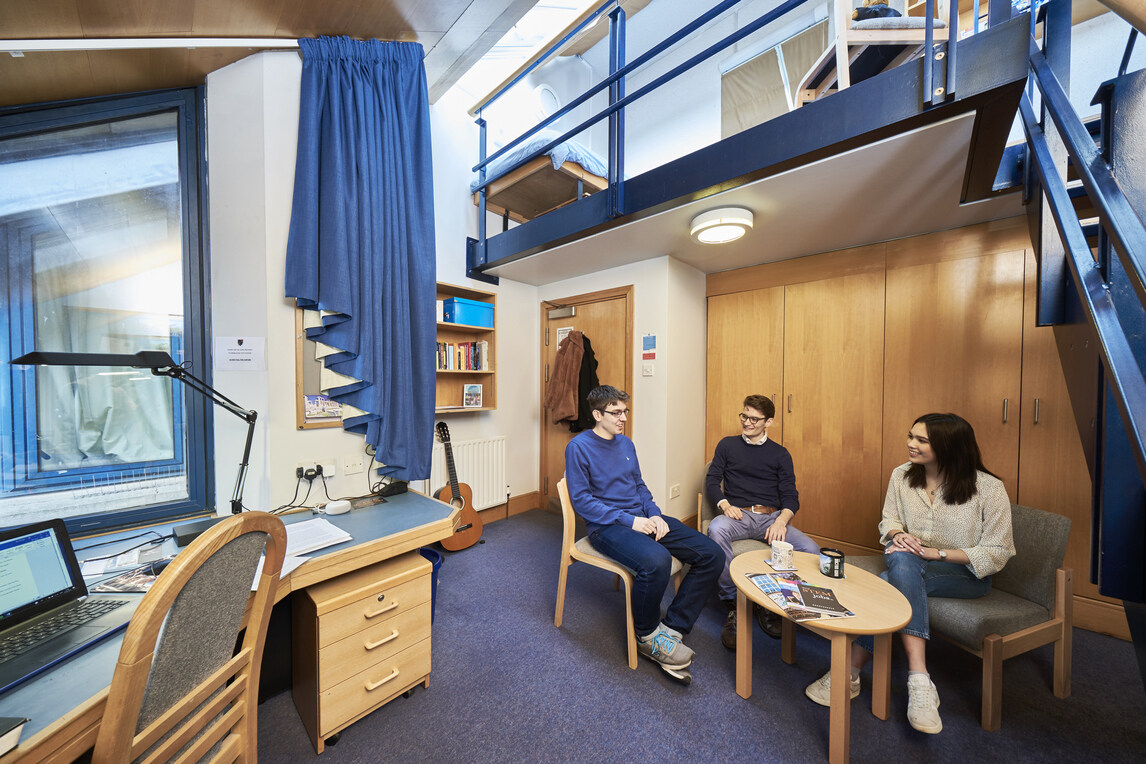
{"points": [[782, 554]]}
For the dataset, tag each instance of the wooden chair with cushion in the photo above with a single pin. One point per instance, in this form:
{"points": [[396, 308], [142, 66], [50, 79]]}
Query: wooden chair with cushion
{"points": [[181, 689], [1029, 605], [580, 550], [706, 511]]}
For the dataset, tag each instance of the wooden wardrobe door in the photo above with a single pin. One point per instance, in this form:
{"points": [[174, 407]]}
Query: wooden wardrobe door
{"points": [[745, 357], [955, 344], [833, 396]]}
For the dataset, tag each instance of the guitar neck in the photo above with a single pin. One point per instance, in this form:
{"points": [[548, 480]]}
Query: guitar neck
{"points": [[450, 466]]}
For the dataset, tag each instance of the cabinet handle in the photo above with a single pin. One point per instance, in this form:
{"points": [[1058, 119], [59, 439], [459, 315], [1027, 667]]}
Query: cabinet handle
{"points": [[372, 686], [789, 403], [1036, 410], [382, 610], [773, 397], [1005, 401], [384, 640]]}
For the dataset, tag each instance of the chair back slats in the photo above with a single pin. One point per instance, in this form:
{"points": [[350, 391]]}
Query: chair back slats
{"points": [[568, 518], [181, 691]]}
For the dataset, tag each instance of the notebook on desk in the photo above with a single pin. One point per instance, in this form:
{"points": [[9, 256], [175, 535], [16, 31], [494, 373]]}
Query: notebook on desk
{"points": [[46, 613]]}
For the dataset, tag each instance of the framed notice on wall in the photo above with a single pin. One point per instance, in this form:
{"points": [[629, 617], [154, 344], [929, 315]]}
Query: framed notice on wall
{"points": [[471, 396]]}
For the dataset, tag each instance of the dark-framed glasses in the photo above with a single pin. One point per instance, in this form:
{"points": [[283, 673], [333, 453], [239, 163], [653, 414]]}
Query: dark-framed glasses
{"points": [[750, 420], [617, 413]]}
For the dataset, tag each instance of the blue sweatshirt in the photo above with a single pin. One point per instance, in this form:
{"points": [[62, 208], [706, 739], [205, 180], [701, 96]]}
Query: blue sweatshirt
{"points": [[604, 481]]}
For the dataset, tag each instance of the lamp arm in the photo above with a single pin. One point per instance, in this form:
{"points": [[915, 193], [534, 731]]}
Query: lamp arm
{"points": [[247, 415]]}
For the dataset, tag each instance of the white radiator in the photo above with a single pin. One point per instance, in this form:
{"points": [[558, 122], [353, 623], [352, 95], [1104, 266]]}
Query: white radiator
{"points": [[480, 464]]}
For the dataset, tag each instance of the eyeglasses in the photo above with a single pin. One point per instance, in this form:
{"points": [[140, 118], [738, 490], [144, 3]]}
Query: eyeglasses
{"points": [[751, 420], [617, 414]]}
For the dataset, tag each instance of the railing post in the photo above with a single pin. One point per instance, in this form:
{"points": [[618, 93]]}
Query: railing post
{"points": [[617, 118], [1052, 275], [476, 248]]}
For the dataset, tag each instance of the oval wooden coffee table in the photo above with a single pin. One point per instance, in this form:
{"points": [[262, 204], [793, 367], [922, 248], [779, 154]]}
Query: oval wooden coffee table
{"points": [[879, 610]]}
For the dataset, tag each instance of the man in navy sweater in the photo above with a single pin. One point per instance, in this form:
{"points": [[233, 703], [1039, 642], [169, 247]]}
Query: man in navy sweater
{"points": [[752, 483], [625, 523]]}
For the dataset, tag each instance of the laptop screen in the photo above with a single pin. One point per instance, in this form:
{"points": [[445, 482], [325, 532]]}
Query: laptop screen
{"points": [[38, 571]]}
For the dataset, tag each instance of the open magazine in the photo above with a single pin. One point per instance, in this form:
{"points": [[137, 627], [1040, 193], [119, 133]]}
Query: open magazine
{"points": [[800, 600]]}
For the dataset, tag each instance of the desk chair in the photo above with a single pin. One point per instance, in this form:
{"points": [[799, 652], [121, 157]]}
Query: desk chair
{"points": [[582, 551], [181, 690], [1030, 605]]}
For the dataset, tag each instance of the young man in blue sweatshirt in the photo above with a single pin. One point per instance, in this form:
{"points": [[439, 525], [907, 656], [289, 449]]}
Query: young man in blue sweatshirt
{"points": [[752, 483], [625, 523]]}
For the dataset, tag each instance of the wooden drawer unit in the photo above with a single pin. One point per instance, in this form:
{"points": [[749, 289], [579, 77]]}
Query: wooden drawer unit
{"points": [[360, 640]]}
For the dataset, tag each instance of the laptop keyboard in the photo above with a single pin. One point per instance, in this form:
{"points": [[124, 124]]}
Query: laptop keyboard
{"points": [[24, 640]]}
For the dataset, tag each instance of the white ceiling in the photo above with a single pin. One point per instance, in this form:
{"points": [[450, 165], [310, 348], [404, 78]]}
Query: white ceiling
{"points": [[902, 186]]}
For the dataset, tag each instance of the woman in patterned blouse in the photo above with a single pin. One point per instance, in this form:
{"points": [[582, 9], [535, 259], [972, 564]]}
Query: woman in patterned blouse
{"points": [[946, 529]]}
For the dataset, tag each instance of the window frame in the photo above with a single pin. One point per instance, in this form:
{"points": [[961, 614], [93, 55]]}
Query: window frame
{"points": [[198, 415]]}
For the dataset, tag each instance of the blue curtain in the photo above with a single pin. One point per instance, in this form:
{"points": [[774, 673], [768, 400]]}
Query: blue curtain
{"points": [[361, 241]]}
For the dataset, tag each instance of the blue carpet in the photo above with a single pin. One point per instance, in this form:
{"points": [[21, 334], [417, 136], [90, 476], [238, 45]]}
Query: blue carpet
{"points": [[509, 687]]}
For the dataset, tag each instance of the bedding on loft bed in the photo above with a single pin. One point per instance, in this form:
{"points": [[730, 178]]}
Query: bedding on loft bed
{"points": [[545, 183]]}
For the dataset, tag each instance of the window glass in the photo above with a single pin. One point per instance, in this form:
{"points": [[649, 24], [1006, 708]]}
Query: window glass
{"points": [[95, 250]]}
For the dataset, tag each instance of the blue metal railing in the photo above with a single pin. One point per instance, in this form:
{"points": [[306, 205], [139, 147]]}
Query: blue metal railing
{"points": [[1119, 223]]}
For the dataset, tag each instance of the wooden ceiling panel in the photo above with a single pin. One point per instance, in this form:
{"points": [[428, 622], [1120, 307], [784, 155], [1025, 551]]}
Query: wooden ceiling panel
{"points": [[45, 18], [135, 18]]}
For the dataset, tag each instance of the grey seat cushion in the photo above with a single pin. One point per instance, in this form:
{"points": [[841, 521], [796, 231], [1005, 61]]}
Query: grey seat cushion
{"points": [[749, 545]]}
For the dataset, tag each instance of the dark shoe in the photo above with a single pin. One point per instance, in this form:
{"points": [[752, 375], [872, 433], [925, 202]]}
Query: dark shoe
{"points": [[769, 622], [728, 633]]}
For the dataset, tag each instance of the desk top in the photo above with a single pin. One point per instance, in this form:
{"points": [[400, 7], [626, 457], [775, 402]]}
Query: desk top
{"points": [[67, 699], [878, 606]]}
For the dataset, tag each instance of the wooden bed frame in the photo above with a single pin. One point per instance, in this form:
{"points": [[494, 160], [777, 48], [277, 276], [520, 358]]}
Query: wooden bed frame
{"points": [[536, 188]]}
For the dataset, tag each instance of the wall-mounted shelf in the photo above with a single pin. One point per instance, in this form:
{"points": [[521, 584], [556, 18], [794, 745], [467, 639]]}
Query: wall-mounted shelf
{"points": [[451, 383]]}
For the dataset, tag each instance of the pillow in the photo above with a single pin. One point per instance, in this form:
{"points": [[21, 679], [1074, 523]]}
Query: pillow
{"points": [[874, 12]]}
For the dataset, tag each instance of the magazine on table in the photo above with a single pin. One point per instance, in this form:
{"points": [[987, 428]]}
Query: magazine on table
{"points": [[800, 600]]}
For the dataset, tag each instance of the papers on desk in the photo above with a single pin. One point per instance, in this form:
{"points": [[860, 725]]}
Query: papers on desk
{"points": [[10, 729], [289, 564], [310, 535]]}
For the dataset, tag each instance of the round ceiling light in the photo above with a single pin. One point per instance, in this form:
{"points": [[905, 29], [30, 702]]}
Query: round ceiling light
{"points": [[721, 225]]}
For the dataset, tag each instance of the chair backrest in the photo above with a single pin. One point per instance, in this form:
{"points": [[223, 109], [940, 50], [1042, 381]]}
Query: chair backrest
{"points": [[1040, 548], [180, 686], [706, 509], [568, 518]]}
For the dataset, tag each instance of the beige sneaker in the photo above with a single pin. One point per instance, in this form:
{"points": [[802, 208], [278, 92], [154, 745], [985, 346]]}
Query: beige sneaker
{"points": [[820, 691], [923, 704]]}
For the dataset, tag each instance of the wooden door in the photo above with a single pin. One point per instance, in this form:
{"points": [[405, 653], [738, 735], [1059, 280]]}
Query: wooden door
{"points": [[745, 357], [954, 344], [1053, 475], [606, 318], [833, 403]]}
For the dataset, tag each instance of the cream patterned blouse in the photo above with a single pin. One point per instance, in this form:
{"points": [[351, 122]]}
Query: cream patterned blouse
{"points": [[981, 527]]}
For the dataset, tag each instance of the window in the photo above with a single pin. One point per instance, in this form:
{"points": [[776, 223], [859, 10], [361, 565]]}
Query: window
{"points": [[100, 253]]}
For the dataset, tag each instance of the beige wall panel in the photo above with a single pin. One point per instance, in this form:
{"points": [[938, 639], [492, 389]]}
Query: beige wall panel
{"points": [[745, 357], [954, 344], [833, 376]]}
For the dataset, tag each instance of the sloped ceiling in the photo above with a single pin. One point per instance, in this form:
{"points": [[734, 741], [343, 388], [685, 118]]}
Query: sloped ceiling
{"points": [[454, 33]]}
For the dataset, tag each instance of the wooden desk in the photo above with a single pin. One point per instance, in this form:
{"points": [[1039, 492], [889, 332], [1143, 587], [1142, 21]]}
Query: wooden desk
{"points": [[65, 704], [879, 610]]}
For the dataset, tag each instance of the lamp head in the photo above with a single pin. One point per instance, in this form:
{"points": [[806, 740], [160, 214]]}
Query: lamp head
{"points": [[721, 225]]}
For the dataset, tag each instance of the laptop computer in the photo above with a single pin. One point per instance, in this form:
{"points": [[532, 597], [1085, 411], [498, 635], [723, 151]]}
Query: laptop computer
{"points": [[46, 613]]}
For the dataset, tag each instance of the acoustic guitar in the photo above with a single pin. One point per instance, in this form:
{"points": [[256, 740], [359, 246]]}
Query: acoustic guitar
{"points": [[461, 496]]}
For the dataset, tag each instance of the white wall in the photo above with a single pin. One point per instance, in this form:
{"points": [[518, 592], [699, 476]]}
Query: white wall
{"points": [[668, 422]]}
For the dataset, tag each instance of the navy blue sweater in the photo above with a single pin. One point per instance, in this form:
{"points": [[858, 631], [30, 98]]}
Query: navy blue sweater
{"points": [[752, 475]]}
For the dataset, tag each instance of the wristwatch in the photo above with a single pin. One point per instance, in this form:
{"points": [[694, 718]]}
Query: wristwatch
{"points": [[942, 554]]}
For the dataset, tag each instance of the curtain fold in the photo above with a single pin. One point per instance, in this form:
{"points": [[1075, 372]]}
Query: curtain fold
{"points": [[361, 242]]}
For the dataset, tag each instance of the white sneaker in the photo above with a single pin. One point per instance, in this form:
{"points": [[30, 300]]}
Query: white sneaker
{"points": [[820, 691], [923, 704]]}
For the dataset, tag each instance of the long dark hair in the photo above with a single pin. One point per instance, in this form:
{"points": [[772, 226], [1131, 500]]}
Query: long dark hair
{"points": [[956, 455]]}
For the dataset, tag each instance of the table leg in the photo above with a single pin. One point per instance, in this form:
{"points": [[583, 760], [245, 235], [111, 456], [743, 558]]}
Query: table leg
{"points": [[840, 722], [743, 647], [881, 676], [788, 641]]}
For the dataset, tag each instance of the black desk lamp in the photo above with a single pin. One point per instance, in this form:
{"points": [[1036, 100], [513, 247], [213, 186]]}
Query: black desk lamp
{"points": [[161, 365]]}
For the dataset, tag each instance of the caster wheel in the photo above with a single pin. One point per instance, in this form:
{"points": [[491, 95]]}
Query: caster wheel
{"points": [[333, 739], [408, 693]]}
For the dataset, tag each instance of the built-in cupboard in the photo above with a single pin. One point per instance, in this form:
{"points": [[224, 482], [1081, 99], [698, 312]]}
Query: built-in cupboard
{"points": [[853, 345]]}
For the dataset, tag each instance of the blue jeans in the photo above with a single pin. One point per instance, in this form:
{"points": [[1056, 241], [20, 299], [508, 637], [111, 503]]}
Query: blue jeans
{"points": [[651, 563], [724, 530]]}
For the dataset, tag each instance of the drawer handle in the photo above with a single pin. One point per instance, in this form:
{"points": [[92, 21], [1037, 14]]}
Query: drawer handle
{"points": [[371, 686], [382, 610], [384, 640]]}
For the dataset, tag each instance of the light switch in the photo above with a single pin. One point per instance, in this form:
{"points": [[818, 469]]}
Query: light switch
{"points": [[647, 369]]}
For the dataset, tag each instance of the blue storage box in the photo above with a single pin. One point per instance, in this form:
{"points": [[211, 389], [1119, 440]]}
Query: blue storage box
{"points": [[459, 310]]}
